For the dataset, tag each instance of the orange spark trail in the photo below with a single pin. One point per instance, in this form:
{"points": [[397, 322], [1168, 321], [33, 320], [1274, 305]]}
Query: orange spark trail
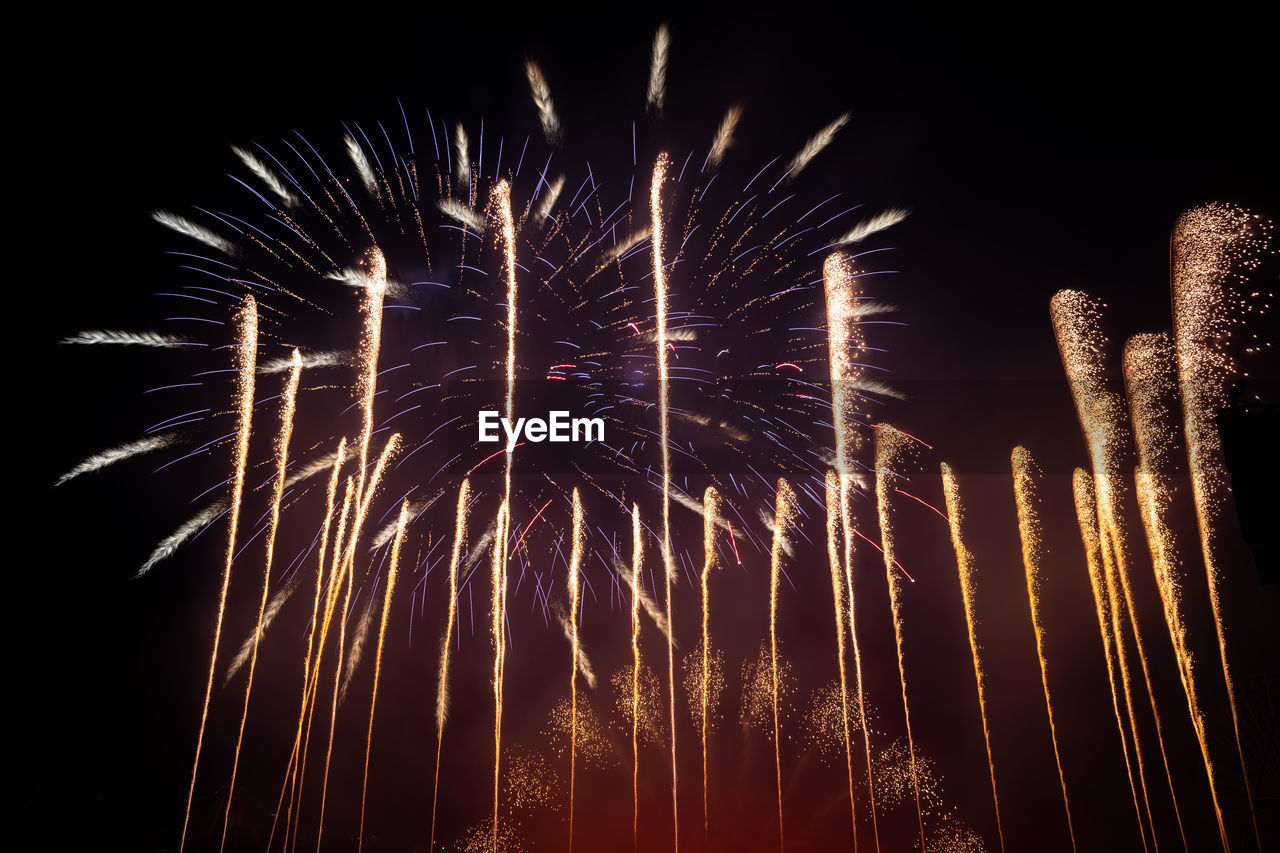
{"points": [[890, 444], [1077, 324], [442, 689], [660, 291], [291, 771], [575, 569], [837, 595], [710, 515], [287, 407], [1150, 373], [782, 512], [964, 566], [637, 564], [372, 295], [843, 339], [1211, 245], [401, 523], [1024, 491], [1086, 514], [246, 362]]}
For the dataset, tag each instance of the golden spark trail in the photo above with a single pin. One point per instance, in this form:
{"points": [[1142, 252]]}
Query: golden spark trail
{"points": [[1024, 491], [1211, 243], [843, 337], [1077, 323], [442, 690], [291, 772], [782, 511], [889, 445], [1086, 514], [401, 524], [372, 294], [710, 516], [637, 565], [1150, 373], [287, 407], [346, 572], [501, 201], [837, 594], [575, 568], [246, 362], [668, 563], [964, 566]]}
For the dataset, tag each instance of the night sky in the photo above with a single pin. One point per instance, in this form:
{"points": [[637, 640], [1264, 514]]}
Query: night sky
{"points": [[1036, 151]]}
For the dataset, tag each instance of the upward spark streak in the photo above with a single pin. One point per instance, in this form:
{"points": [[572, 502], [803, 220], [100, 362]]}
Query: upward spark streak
{"points": [[890, 444], [1024, 483], [964, 566], [401, 524], [668, 563], [575, 569], [442, 690], [710, 518], [844, 338], [782, 512], [637, 564], [288, 406], [837, 595], [246, 360]]}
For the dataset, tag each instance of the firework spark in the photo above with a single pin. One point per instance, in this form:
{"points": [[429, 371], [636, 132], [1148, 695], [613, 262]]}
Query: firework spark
{"points": [[782, 519], [442, 681], [541, 92], [119, 453], [657, 94]]}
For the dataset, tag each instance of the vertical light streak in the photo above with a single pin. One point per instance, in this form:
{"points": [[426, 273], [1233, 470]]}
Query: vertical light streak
{"points": [[889, 445], [245, 358], [575, 568], [668, 563], [442, 689], [837, 595], [1025, 473], [782, 512], [1150, 374], [710, 517], [965, 568], [637, 566], [374, 267], [1210, 244], [1086, 514], [287, 407], [1077, 323], [497, 579], [401, 523], [844, 338]]}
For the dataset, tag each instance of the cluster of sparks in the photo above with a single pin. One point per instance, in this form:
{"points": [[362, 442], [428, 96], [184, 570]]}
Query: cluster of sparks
{"points": [[645, 307]]}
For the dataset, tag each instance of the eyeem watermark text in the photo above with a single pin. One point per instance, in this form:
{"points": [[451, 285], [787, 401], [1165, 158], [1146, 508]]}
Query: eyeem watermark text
{"points": [[557, 427]]}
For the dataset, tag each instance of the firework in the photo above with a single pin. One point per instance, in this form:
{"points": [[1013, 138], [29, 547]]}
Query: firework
{"points": [[1212, 245], [782, 513], [965, 568], [575, 569], [890, 445], [1025, 474], [246, 359], [637, 563], [838, 598], [710, 516]]}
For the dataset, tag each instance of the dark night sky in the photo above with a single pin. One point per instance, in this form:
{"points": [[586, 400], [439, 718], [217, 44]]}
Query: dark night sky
{"points": [[1036, 150]]}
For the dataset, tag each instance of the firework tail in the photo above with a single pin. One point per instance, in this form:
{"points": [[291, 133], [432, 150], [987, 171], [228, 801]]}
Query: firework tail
{"points": [[287, 407], [782, 513], [668, 561], [837, 595], [710, 517], [1086, 514], [965, 568], [442, 689], [377, 660], [637, 565], [1077, 323], [291, 771], [246, 360], [1024, 490], [844, 338], [889, 444], [1150, 373], [374, 267], [347, 572], [575, 568], [496, 619], [1208, 244]]}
